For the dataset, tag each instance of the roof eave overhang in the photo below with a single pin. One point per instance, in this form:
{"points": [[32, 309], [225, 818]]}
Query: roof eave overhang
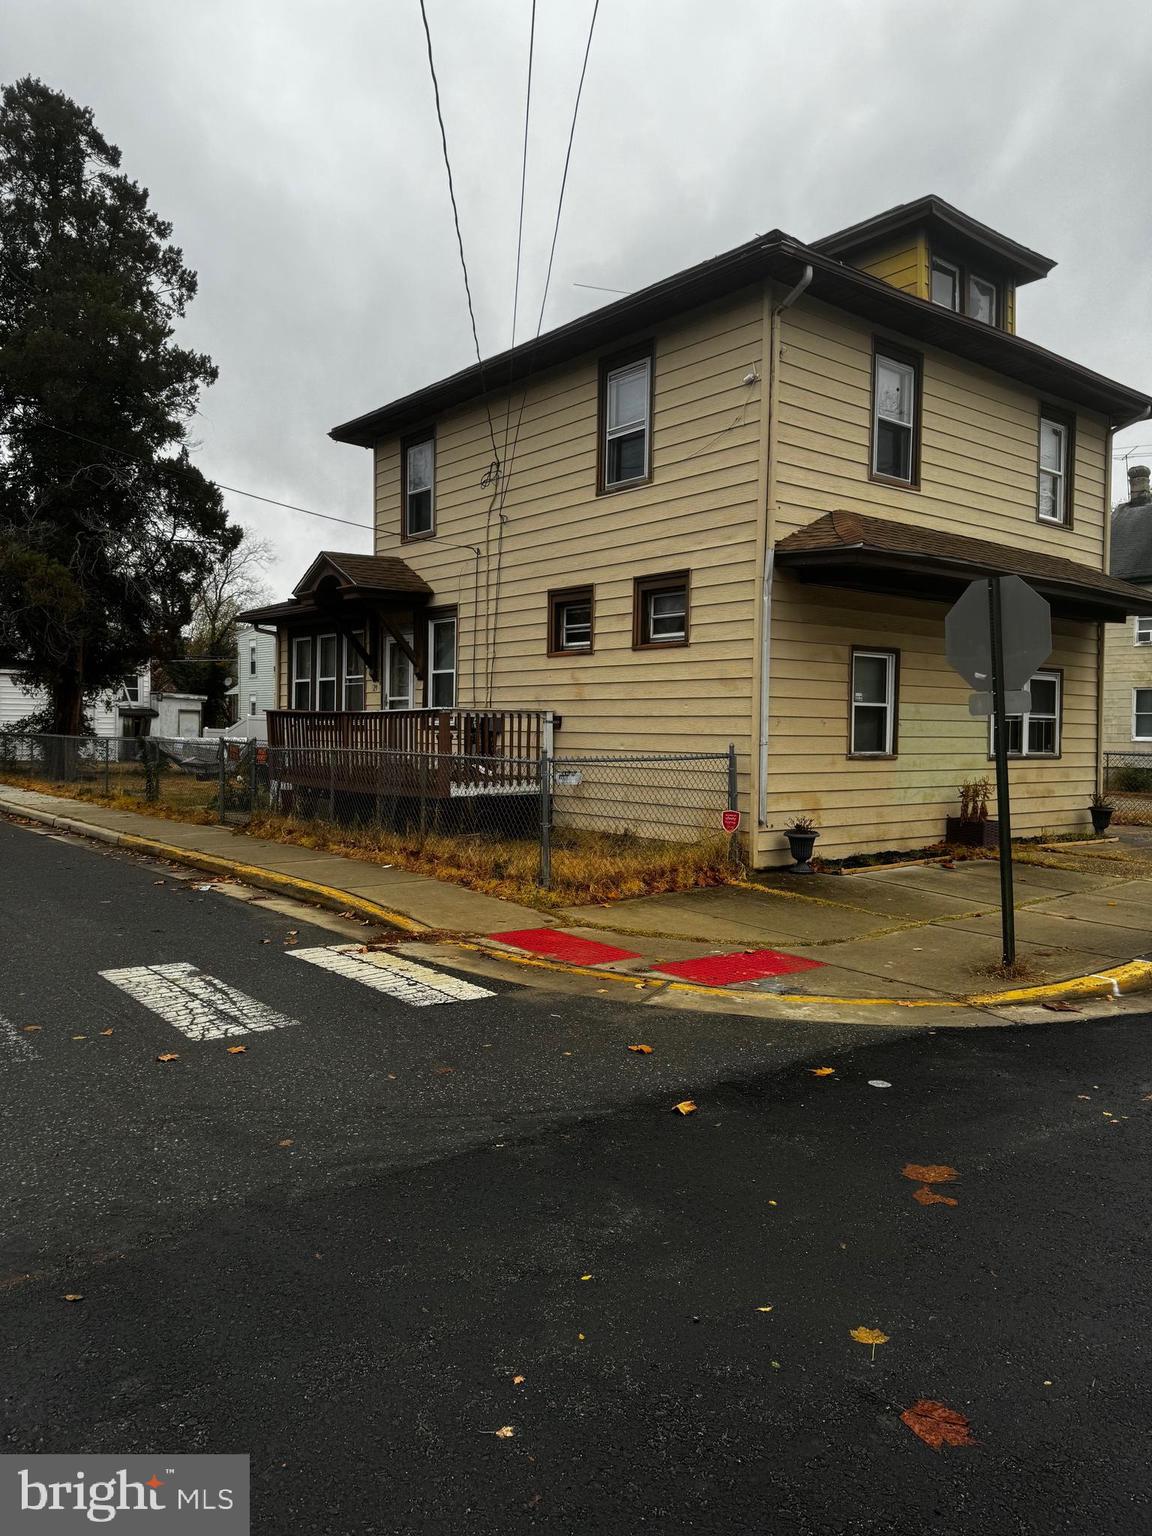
{"points": [[776, 256], [1024, 264], [861, 568]]}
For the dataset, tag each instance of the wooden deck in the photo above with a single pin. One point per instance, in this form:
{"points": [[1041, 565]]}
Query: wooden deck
{"points": [[435, 753]]}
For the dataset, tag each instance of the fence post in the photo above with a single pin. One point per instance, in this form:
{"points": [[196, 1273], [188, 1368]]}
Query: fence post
{"points": [[222, 754], [733, 803], [545, 818], [107, 767], [251, 778]]}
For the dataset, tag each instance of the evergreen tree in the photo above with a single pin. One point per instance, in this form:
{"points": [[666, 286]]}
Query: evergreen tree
{"points": [[107, 529]]}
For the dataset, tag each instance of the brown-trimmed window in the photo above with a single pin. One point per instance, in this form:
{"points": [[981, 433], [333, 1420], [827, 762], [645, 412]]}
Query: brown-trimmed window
{"points": [[302, 672], [570, 614], [1037, 733], [1054, 467], [873, 703], [441, 684], [625, 420], [418, 485], [896, 396], [660, 610]]}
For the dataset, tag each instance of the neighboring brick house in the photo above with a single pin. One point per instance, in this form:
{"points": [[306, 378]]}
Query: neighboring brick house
{"points": [[1128, 647]]}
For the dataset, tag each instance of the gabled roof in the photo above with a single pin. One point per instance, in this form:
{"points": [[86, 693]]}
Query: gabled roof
{"points": [[775, 255], [850, 545], [362, 573], [938, 217]]}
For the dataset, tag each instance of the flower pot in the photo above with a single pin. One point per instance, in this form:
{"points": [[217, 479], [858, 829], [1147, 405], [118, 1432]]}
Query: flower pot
{"points": [[971, 834], [1101, 817], [800, 845]]}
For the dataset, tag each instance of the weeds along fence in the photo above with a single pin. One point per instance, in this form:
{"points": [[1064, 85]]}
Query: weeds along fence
{"points": [[1128, 784], [525, 817]]}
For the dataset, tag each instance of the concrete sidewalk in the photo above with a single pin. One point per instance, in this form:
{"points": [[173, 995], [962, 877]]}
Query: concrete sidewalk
{"points": [[911, 933]]}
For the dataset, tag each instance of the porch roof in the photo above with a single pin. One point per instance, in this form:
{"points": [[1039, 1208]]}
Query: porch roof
{"points": [[334, 579], [849, 549]]}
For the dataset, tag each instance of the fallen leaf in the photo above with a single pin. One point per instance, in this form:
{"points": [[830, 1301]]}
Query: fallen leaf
{"points": [[771, 1202], [928, 1196], [1087, 1096], [346, 914], [79, 1037], [641, 1050], [106, 1032], [159, 882], [585, 1277], [33, 1029], [265, 941], [517, 1380], [445, 1071], [237, 1050], [505, 1432], [763, 1309], [579, 1335], [878, 1082], [937, 1425], [286, 1143], [1060, 1006], [1145, 1098], [169, 1056], [821, 1071], [868, 1336], [929, 1173], [686, 1107], [775, 1364], [72, 1295]]}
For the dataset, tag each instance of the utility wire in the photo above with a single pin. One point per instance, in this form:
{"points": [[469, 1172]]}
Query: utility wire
{"points": [[459, 236], [136, 458]]}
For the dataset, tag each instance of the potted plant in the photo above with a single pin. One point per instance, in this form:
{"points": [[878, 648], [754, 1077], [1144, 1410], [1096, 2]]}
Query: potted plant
{"points": [[972, 828], [1100, 809], [801, 834]]}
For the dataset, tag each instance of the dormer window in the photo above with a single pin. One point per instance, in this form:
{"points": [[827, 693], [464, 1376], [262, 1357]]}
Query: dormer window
{"points": [[982, 299], [956, 287], [945, 283]]}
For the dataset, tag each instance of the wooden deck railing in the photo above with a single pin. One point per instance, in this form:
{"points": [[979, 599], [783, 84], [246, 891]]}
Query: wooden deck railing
{"points": [[405, 751]]}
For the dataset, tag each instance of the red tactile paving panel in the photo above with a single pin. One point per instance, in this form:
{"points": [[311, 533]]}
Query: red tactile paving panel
{"points": [[724, 970], [564, 946]]}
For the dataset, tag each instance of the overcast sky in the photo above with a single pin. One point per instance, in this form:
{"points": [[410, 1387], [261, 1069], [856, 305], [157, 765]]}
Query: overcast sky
{"points": [[293, 144]]}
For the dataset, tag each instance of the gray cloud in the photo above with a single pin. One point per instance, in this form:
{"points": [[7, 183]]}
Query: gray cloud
{"points": [[294, 147]]}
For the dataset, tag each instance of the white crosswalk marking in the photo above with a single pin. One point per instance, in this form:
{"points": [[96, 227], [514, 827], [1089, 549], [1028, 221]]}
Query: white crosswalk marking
{"points": [[201, 1007], [417, 985], [13, 1042]]}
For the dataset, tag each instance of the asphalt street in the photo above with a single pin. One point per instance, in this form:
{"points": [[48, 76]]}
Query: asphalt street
{"points": [[384, 1232]]}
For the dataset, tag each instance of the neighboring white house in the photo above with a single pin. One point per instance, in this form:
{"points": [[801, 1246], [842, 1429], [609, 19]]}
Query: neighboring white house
{"points": [[139, 706], [254, 691]]}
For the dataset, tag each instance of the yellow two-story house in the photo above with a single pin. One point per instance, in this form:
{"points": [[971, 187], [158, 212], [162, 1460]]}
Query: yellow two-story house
{"points": [[734, 507]]}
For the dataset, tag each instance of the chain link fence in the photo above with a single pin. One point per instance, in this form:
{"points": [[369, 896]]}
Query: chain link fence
{"points": [[543, 819], [1128, 784]]}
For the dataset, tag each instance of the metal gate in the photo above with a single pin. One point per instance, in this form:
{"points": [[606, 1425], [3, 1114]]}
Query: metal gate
{"points": [[239, 769]]}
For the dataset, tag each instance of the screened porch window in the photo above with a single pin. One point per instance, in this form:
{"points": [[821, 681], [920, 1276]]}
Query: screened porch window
{"points": [[302, 672], [326, 655], [354, 671], [398, 676], [442, 663], [1037, 733]]}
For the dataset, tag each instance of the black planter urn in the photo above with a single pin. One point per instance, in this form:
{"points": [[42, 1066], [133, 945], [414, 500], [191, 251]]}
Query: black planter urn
{"points": [[800, 845], [1101, 817]]}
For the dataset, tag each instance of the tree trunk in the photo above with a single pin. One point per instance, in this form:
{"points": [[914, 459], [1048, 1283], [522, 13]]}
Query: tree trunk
{"points": [[68, 698]]}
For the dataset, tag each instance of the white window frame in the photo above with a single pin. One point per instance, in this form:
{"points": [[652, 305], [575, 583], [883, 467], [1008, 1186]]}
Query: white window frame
{"points": [[391, 651], [641, 365], [252, 709], [957, 286], [433, 671], [1137, 712], [410, 446], [354, 673], [888, 705], [985, 282], [332, 677], [1142, 625], [1058, 519], [1049, 676], [909, 426], [302, 646], [251, 658]]}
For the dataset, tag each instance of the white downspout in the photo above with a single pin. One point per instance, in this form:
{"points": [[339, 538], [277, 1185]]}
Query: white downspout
{"points": [[769, 547]]}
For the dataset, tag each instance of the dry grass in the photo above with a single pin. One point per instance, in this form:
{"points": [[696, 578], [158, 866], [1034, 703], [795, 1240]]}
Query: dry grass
{"points": [[1019, 970]]}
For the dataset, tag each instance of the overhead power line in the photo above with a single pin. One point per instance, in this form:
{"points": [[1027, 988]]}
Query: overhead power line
{"points": [[456, 221]]}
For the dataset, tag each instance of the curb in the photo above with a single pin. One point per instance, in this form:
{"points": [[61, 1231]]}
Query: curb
{"points": [[1131, 977]]}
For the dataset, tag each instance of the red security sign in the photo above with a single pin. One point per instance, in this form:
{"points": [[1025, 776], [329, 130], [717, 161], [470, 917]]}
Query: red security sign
{"points": [[730, 820]]}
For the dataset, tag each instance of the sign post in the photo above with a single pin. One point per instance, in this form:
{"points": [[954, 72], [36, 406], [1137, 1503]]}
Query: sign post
{"points": [[997, 633]]}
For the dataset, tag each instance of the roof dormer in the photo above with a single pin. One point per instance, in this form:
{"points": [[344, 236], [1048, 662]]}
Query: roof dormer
{"points": [[932, 250]]}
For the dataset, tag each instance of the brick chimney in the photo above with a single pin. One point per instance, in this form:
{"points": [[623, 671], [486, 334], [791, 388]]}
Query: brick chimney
{"points": [[1138, 492]]}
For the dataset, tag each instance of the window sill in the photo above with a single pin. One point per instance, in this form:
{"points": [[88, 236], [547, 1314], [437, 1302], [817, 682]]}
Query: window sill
{"points": [[1054, 522], [416, 538], [571, 650], [1029, 757], [659, 645], [871, 757], [623, 485], [902, 485]]}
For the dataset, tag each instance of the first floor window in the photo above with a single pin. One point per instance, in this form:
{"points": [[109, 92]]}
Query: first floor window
{"points": [[873, 704], [661, 610], [1053, 477], [625, 408], [251, 704], [302, 672], [442, 662], [1144, 630], [419, 487], [895, 410], [354, 669], [1142, 714], [570, 620], [326, 654], [398, 676], [1036, 734]]}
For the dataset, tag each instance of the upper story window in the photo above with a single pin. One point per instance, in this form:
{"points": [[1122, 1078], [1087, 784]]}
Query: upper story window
{"points": [[660, 610], [945, 283], [1054, 472], [418, 486], [982, 299], [252, 658], [895, 415], [570, 620], [625, 412], [1143, 626]]}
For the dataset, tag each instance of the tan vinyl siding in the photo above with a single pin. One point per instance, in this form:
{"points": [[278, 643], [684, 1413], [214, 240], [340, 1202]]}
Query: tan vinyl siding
{"points": [[904, 265], [1126, 666], [698, 513]]}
